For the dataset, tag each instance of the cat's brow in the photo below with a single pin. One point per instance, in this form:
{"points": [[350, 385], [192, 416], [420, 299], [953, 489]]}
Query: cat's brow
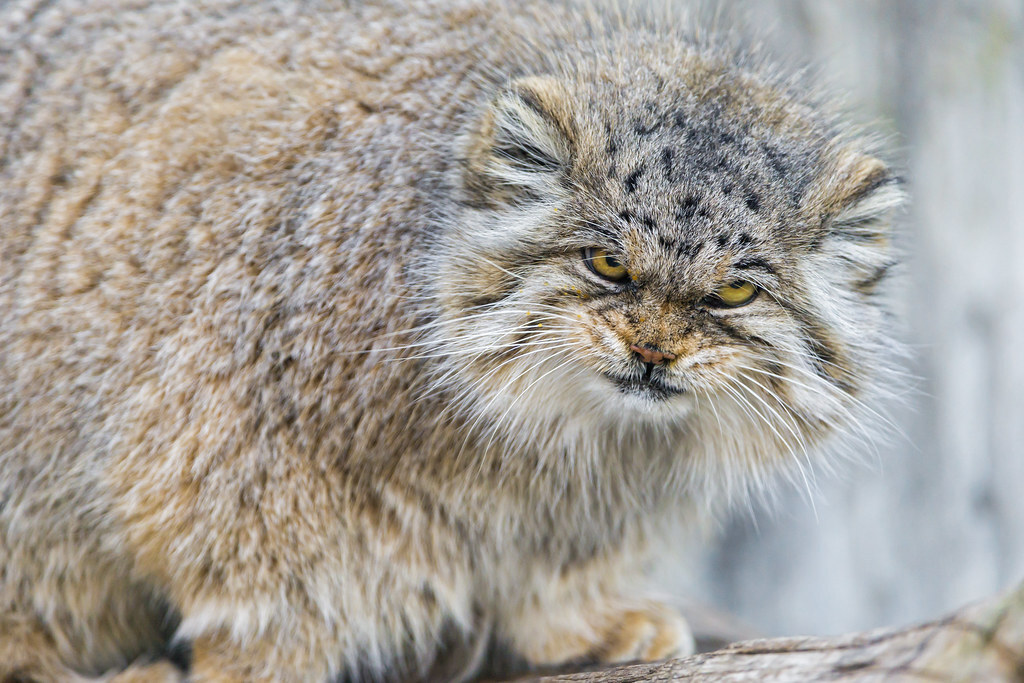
{"points": [[754, 262], [604, 234]]}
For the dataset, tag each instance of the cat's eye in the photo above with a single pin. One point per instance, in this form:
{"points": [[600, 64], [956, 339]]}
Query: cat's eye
{"points": [[733, 295], [605, 264]]}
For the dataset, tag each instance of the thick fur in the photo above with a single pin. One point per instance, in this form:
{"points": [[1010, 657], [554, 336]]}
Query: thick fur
{"points": [[302, 372]]}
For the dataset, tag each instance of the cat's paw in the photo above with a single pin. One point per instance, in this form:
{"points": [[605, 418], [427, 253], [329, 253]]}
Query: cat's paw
{"points": [[649, 632], [623, 632]]}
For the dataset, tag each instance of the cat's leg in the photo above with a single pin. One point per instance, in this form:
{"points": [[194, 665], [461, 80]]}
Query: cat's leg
{"points": [[291, 645], [303, 646], [28, 652], [63, 623], [589, 613]]}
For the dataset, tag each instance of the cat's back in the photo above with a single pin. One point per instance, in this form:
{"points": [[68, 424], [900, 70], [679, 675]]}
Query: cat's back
{"points": [[206, 210], [129, 125], [183, 185]]}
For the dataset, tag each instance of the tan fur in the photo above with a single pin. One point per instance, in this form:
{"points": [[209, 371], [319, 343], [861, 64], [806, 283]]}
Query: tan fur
{"points": [[249, 405]]}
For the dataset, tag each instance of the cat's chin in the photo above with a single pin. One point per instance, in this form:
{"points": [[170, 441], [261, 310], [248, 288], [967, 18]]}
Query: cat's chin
{"points": [[646, 405], [635, 399], [593, 398], [649, 389]]}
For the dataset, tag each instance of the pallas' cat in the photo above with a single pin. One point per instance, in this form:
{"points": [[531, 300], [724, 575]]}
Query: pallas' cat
{"points": [[350, 340]]}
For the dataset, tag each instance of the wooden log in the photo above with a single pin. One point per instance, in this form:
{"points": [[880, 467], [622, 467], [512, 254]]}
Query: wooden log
{"points": [[983, 642]]}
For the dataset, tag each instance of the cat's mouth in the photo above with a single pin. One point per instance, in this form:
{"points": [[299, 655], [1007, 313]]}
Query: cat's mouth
{"points": [[649, 385]]}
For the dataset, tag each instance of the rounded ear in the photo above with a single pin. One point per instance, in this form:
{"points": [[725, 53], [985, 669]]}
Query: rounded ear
{"points": [[853, 204], [856, 197], [522, 138]]}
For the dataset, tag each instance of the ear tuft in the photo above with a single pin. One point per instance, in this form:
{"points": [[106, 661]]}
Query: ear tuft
{"points": [[523, 137]]}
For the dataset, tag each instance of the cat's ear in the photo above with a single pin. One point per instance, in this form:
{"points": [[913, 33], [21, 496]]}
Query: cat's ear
{"points": [[853, 204], [521, 142], [857, 197]]}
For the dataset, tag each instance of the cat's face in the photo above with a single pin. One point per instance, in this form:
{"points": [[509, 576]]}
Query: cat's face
{"points": [[637, 256]]}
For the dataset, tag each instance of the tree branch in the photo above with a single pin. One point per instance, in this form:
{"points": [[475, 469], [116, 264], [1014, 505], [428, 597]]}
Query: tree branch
{"points": [[983, 642]]}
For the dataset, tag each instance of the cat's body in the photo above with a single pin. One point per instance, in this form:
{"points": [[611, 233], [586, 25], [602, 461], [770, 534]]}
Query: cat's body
{"points": [[304, 357]]}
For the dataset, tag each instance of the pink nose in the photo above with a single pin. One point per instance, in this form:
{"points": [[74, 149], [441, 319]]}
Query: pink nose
{"points": [[651, 355]]}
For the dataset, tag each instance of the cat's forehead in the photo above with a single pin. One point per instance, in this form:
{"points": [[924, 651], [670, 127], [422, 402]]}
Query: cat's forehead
{"points": [[696, 181]]}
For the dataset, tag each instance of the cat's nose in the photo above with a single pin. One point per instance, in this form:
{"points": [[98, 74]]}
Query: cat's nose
{"points": [[649, 354]]}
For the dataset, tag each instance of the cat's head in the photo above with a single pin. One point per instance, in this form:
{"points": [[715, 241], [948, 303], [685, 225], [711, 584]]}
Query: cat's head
{"points": [[690, 247]]}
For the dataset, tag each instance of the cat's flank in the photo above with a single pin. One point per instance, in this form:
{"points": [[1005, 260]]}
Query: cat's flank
{"points": [[352, 341]]}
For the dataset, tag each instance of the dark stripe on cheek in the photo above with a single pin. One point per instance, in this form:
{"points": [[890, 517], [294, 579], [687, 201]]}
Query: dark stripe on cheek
{"points": [[487, 299], [732, 331], [603, 294], [602, 315], [825, 354], [826, 359]]}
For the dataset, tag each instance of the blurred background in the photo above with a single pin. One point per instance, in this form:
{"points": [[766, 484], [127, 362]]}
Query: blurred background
{"points": [[937, 519]]}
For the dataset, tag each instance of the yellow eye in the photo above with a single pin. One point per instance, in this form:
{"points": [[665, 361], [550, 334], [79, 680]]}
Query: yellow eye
{"points": [[604, 264], [736, 294]]}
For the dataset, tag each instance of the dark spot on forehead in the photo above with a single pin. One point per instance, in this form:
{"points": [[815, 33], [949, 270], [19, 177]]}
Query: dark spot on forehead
{"points": [[666, 162], [687, 208], [631, 180], [645, 125], [689, 249], [649, 223], [722, 240], [753, 202], [643, 130], [777, 160], [726, 138], [626, 215], [727, 189], [679, 119], [744, 239]]}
